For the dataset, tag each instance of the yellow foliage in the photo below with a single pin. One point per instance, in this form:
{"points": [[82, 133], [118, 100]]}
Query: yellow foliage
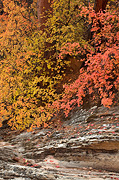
{"points": [[31, 71]]}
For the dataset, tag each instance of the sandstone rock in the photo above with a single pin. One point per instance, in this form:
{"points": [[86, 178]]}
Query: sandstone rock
{"points": [[85, 147]]}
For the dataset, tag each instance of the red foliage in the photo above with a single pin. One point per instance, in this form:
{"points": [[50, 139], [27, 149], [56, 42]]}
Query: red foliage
{"points": [[101, 71], [28, 80]]}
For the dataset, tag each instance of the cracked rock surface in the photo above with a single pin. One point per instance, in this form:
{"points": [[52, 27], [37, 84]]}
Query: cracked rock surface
{"points": [[84, 147]]}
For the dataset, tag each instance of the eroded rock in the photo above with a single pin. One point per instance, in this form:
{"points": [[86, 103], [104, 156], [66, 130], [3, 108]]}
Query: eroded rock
{"points": [[86, 146]]}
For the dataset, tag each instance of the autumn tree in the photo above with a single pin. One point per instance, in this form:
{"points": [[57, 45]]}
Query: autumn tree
{"points": [[16, 27], [31, 82], [100, 75]]}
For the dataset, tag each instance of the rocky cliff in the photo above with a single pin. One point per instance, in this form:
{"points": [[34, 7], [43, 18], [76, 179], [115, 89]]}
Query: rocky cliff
{"points": [[84, 146]]}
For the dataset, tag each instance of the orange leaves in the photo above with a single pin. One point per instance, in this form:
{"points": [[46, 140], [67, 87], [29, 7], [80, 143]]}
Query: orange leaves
{"points": [[13, 86], [107, 102], [45, 125], [72, 49], [31, 80]]}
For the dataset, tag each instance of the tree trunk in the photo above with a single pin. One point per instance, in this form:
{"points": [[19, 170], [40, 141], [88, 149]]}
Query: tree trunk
{"points": [[43, 6], [100, 5]]}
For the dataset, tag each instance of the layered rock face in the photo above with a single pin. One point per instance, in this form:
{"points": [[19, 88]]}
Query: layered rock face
{"points": [[84, 146]]}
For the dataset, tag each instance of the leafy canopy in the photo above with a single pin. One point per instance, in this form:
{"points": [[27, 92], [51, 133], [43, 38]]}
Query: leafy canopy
{"points": [[35, 64]]}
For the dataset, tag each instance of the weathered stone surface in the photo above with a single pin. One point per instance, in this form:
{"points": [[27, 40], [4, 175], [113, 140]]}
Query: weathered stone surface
{"points": [[86, 146]]}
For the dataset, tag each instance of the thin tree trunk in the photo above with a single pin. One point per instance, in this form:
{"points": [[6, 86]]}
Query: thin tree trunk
{"points": [[43, 6], [100, 5]]}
